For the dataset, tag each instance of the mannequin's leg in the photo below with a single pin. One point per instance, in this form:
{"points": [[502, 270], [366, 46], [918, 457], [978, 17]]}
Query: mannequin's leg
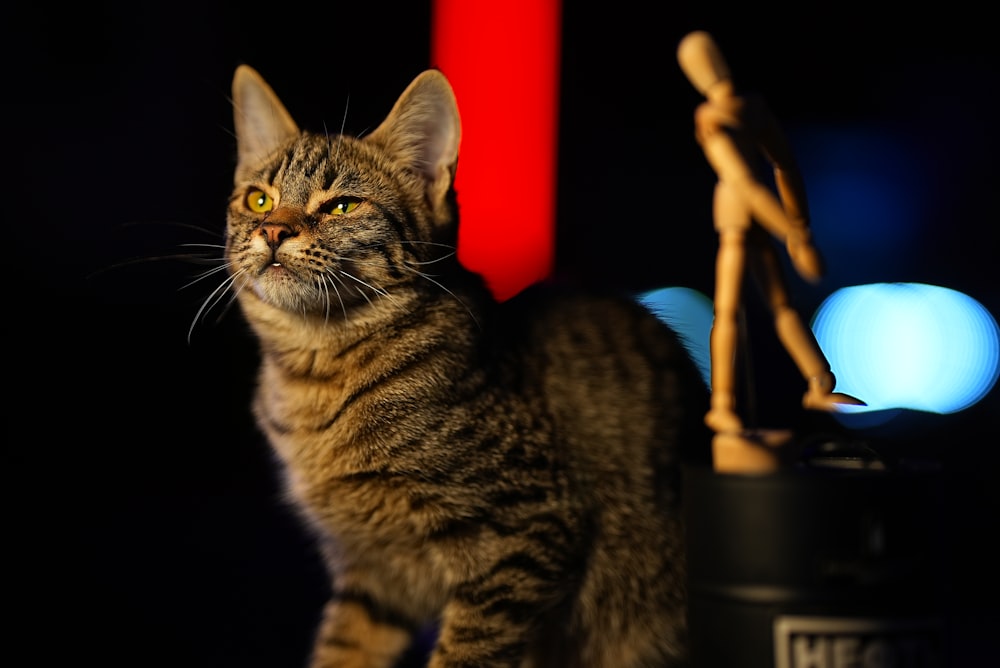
{"points": [[729, 269], [794, 335]]}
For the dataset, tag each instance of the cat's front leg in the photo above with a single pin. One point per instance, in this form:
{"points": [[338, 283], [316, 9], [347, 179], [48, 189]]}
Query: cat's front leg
{"points": [[357, 632], [492, 624]]}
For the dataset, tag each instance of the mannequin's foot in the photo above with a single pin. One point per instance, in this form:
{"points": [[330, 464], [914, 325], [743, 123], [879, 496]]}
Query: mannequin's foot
{"points": [[821, 397], [723, 421], [830, 401]]}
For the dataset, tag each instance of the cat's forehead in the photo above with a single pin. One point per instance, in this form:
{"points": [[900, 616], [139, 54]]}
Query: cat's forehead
{"points": [[314, 162]]}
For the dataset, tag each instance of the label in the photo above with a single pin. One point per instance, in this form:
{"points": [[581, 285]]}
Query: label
{"points": [[848, 642]]}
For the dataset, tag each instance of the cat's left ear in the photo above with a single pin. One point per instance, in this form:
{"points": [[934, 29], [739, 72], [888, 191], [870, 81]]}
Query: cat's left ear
{"points": [[261, 121], [423, 130]]}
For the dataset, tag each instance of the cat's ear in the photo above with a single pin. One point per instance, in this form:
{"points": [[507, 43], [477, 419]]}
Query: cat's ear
{"points": [[423, 130], [261, 121]]}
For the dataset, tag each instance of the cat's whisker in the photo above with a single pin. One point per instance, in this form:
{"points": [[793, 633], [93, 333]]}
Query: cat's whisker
{"points": [[415, 243], [382, 264], [343, 121], [213, 299], [379, 263], [343, 124], [381, 292], [206, 274], [321, 282], [170, 223], [213, 246], [334, 275], [424, 262], [378, 291], [177, 257], [429, 278], [330, 279], [418, 242], [228, 305], [410, 242], [359, 290]]}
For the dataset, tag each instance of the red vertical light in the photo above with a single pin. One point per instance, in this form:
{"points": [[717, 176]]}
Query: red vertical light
{"points": [[502, 59]]}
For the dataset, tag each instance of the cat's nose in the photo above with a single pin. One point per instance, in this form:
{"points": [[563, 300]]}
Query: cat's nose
{"points": [[282, 223], [275, 233]]}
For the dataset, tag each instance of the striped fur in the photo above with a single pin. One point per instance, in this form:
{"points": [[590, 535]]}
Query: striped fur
{"points": [[505, 472]]}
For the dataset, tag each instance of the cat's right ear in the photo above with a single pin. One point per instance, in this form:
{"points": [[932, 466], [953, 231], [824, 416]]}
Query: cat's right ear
{"points": [[261, 121]]}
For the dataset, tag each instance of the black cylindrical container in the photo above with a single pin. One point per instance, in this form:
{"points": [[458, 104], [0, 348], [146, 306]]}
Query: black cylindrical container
{"points": [[815, 568]]}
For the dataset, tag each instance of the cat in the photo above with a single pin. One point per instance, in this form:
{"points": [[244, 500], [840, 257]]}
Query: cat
{"points": [[506, 474]]}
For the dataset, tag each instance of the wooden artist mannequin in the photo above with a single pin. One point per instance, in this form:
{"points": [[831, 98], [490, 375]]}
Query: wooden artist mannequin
{"points": [[738, 134]]}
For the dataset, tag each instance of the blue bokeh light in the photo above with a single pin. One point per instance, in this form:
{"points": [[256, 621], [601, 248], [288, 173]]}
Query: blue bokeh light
{"points": [[909, 346], [690, 313]]}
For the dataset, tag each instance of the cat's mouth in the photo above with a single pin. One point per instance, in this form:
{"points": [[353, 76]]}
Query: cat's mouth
{"points": [[274, 270], [272, 263]]}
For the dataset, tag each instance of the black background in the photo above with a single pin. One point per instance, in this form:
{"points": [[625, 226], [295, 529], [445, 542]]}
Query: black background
{"points": [[145, 521]]}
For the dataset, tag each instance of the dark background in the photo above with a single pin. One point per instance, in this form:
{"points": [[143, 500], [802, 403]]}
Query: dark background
{"points": [[146, 525]]}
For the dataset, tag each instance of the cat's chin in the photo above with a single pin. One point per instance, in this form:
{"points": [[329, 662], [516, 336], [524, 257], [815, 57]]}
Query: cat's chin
{"points": [[277, 285], [279, 289]]}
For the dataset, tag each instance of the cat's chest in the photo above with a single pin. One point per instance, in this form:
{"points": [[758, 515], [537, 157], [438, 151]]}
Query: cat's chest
{"points": [[330, 467], [303, 418], [334, 414]]}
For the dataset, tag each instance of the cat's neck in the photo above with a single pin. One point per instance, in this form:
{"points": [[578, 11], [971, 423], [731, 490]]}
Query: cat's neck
{"points": [[315, 344]]}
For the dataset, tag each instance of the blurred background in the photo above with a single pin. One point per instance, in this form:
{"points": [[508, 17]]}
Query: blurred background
{"points": [[147, 523]]}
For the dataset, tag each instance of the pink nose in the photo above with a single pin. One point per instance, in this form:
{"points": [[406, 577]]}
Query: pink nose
{"points": [[275, 233]]}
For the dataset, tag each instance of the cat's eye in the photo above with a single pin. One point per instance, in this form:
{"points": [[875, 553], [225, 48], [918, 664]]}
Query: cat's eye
{"points": [[341, 205], [259, 201]]}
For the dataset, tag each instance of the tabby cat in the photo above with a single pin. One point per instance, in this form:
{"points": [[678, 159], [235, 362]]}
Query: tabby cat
{"points": [[504, 474]]}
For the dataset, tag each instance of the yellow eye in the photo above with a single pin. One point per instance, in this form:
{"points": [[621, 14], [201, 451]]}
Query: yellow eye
{"points": [[259, 201], [343, 205]]}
